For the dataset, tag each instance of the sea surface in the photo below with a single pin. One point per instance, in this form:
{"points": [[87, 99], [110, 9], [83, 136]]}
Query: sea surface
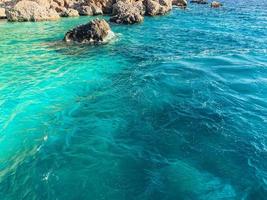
{"points": [[174, 108]]}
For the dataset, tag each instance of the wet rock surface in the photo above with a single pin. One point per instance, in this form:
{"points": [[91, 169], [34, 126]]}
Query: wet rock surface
{"points": [[94, 32]]}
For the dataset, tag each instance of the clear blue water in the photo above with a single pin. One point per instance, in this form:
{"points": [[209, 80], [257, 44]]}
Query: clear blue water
{"points": [[174, 108]]}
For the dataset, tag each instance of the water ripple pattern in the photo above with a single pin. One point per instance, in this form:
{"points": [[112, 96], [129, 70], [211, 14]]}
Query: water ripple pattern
{"points": [[174, 108]]}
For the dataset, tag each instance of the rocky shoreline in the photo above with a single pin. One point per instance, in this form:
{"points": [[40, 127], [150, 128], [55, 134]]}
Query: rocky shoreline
{"points": [[121, 11], [96, 31]]}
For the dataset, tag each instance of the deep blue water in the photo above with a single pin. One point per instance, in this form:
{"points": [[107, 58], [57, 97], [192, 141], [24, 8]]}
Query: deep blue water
{"points": [[174, 108]]}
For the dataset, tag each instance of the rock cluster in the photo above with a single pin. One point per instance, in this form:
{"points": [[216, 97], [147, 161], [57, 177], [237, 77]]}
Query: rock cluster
{"points": [[31, 11], [94, 32], [121, 11]]}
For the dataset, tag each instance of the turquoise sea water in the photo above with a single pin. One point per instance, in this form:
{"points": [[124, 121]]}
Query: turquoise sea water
{"points": [[174, 108]]}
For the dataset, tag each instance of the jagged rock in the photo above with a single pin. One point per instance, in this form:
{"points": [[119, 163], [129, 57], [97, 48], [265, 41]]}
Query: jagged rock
{"points": [[125, 5], [141, 7], [199, 1], [30, 11], [93, 32], [2, 13], [43, 3], [179, 3], [126, 12], [106, 5], [60, 2], [96, 10], [70, 13], [215, 4], [84, 10], [158, 7], [59, 9]]}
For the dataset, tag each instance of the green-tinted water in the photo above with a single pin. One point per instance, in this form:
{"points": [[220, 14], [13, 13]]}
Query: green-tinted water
{"points": [[174, 108]]}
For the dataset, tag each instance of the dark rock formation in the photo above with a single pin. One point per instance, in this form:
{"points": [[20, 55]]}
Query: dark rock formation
{"points": [[93, 32]]}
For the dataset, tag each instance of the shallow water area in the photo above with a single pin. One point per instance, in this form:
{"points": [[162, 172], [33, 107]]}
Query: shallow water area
{"points": [[173, 108]]}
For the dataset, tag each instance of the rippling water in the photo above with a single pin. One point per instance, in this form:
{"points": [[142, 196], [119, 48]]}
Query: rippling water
{"points": [[174, 108]]}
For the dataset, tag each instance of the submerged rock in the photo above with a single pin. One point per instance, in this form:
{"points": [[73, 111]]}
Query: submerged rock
{"points": [[30, 11], [94, 32], [126, 12], [180, 3], [158, 7], [2, 13], [215, 4], [199, 1]]}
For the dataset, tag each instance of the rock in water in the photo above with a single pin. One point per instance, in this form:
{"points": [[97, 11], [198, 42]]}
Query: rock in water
{"points": [[2, 13], [158, 7], [199, 1], [30, 11], [95, 32], [126, 13], [215, 4], [179, 3]]}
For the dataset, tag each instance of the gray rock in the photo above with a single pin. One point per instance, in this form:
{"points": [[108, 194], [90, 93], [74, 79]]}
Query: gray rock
{"points": [[94, 32], [30, 11]]}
